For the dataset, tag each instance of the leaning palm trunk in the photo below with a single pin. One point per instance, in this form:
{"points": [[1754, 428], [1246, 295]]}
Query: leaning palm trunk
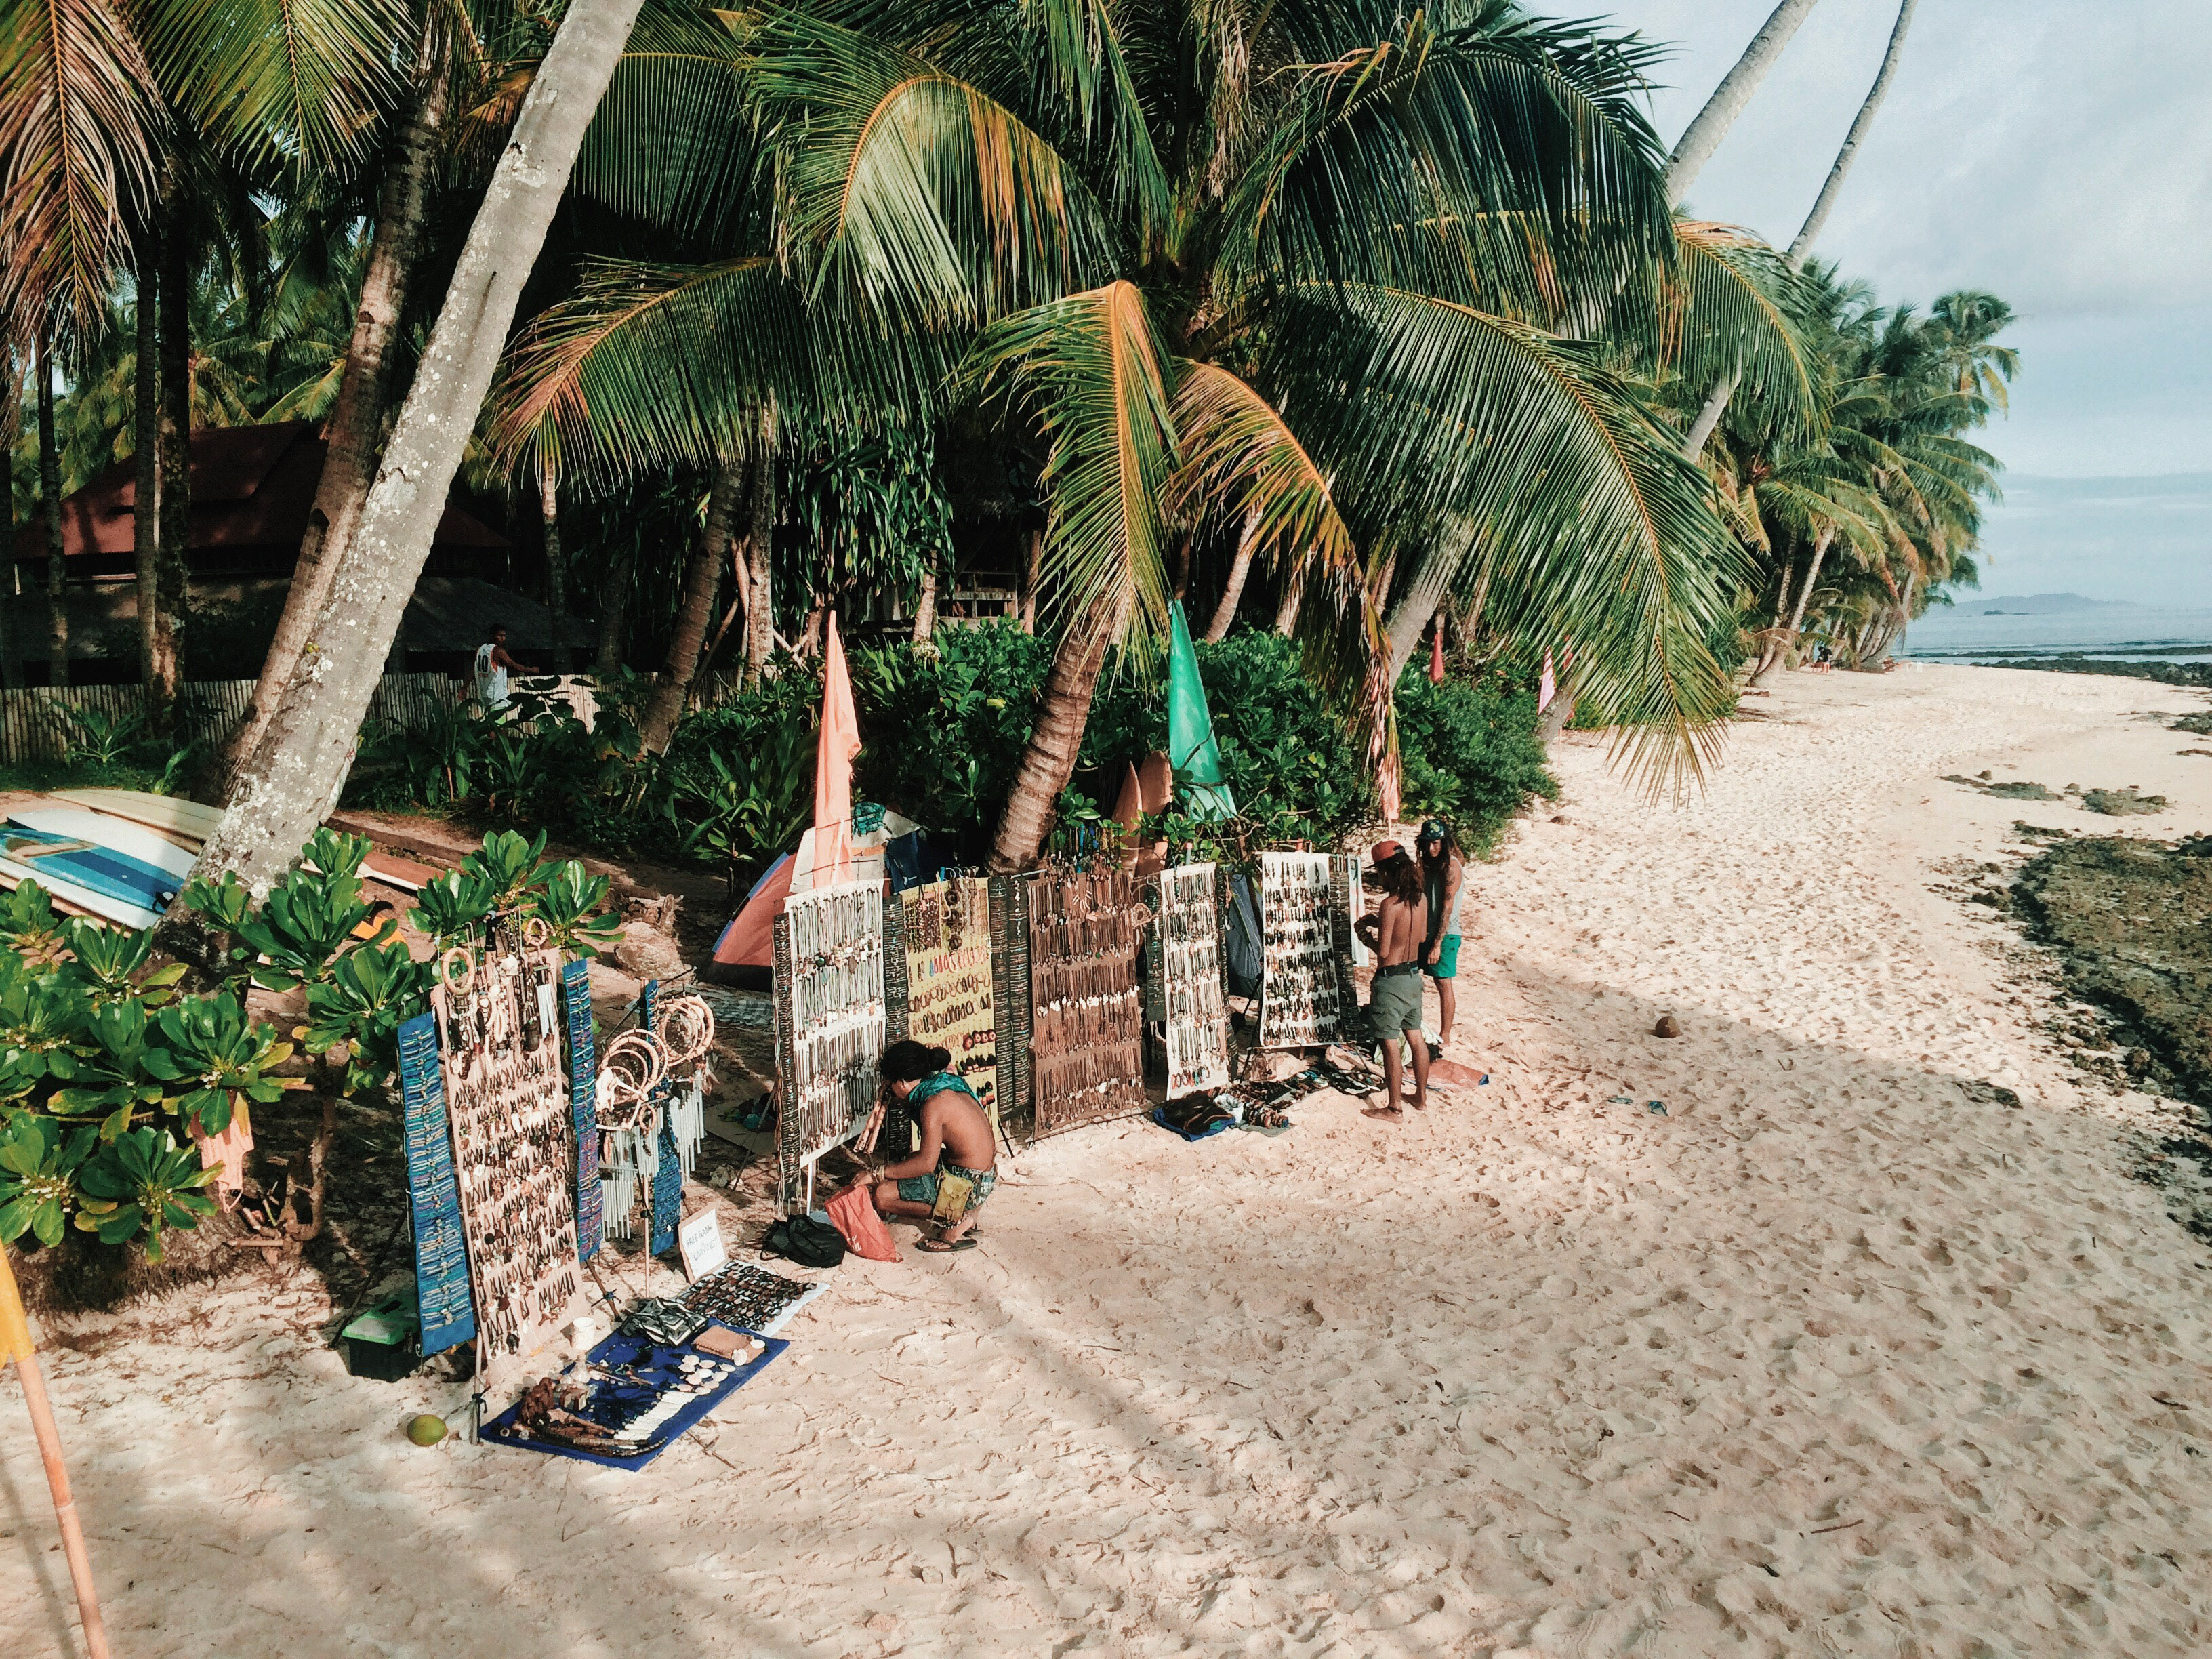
{"points": [[364, 391], [1693, 444], [1224, 614], [1703, 135], [702, 571], [613, 618], [1286, 614], [758, 564], [284, 792], [49, 504], [1410, 618], [1048, 759], [1787, 642]]}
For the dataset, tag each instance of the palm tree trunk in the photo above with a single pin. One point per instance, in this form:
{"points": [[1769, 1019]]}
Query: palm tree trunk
{"points": [[172, 435], [1781, 646], [357, 418], [284, 792], [1409, 618], [760, 556], [49, 501], [1029, 574], [1048, 758], [1716, 405], [1825, 202], [702, 571], [1224, 614], [154, 642], [1286, 614], [924, 612], [613, 615], [556, 583], [1703, 135], [1558, 711]]}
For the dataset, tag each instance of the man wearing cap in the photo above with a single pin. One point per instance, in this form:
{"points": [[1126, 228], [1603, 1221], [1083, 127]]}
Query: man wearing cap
{"points": [[1443, 877], [1393, 933]]}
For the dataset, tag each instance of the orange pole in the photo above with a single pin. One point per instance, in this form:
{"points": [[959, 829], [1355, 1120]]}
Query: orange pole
{"points": [[15, 1344]]}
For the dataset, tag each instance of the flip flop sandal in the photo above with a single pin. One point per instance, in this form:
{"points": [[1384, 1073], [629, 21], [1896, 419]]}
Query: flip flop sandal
{"points": [[939, 1246]]}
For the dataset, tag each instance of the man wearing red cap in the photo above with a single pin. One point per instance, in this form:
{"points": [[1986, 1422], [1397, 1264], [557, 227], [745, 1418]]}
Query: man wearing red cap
{"points": [[1393, 932]]}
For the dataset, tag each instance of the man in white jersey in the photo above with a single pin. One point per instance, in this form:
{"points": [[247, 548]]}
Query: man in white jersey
{"points": [[492, 665]]}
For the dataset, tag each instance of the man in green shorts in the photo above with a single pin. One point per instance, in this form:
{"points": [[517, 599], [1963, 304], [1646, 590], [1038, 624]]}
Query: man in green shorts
{"points": [[954, 1168], [1393, 933]]}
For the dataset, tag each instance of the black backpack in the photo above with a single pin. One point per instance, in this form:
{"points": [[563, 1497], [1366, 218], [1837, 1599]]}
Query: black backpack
{"points": [[809, 1243]]}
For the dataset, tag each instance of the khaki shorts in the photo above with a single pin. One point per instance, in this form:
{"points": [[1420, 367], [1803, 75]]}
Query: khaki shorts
{"points": [[1393, 1004]]}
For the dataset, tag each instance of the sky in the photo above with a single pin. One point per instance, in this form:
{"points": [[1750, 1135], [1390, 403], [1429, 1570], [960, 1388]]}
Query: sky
{"points": [[2055, 153]]}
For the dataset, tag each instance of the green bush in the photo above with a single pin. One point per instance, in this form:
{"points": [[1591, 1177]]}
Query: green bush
{"points": [[1469, 753]]}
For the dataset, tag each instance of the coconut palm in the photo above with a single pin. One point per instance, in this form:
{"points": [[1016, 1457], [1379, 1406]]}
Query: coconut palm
{"points": [[1298, 276]]}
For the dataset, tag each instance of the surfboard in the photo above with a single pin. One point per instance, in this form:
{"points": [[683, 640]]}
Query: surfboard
{"points": [[163, 812], [69, 895], [129, 841]]}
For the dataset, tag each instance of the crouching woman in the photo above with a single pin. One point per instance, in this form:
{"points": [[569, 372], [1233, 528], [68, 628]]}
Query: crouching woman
{"points": [[955, 1168]]}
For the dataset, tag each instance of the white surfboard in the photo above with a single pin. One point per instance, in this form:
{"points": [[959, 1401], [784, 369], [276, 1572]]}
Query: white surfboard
{"points": [[163, 812]]}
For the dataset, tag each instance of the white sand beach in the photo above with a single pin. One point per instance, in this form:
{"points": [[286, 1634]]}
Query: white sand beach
{"points": [[1831, 1358]]}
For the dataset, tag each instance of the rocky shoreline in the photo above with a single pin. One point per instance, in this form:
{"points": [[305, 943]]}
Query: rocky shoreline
{"points": [[2165, 673]]}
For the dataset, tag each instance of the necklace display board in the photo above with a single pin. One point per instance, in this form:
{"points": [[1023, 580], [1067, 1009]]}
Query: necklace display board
{"points": [[1301, 990], [1195, 1007], [1010, 992], [515, 1152], [1086, 1000], [829, 1019], [583, 1100], [441, 1257], [940, 968]]}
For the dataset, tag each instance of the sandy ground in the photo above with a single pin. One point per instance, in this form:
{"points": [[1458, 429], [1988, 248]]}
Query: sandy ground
{"points": [[1829, 1359]]}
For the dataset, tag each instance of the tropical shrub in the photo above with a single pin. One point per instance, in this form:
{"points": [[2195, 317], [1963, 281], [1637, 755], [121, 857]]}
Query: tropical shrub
{"points": [[108, 1076], [1469, 753]]}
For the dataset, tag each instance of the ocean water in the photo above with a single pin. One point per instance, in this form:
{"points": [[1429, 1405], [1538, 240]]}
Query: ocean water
{"points": [[1979, 629]]}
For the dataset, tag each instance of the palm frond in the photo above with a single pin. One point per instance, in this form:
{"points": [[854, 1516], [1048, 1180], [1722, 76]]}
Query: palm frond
{"points": [[911, 190], [1600, 538], [76, 101], [302, 85], [1488, 158], [1732, 307], [1090, 373], [673, 142]]}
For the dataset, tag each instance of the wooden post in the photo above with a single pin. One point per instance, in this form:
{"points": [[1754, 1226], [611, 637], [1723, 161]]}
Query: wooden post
{"points": [[15, 1344]]}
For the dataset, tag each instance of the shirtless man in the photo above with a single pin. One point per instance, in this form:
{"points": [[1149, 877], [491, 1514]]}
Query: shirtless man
{"points": [[1393, 932], [956, 1141]]}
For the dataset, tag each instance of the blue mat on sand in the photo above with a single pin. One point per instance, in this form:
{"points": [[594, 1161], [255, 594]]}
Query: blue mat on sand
{"points": [[615, 1403], [1160, 1117]]}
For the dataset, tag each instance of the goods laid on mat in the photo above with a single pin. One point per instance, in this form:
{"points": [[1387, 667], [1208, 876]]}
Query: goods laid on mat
{"points": [[514, 1153], [829, 1016], [944, 938], [748, 1298], [629, 1398], [1196, 1008], [1086, 1000], [1300, 989], [651, 1117]]}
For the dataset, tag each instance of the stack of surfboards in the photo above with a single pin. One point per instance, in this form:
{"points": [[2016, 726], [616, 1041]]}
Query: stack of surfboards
{"points": [[122, 855]]}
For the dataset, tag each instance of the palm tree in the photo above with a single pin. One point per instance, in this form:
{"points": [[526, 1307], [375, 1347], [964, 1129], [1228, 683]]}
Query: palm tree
{"points": [[301, 762], [1303, 267]]}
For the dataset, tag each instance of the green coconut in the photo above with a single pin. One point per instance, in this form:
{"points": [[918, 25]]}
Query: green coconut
{"points": [[426, 1429]]}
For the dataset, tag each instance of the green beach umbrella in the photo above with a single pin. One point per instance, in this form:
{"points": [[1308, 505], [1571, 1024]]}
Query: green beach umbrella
{"points": [[1192, 751]]}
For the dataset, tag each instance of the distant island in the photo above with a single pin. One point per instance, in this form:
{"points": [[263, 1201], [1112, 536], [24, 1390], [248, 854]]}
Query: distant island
{"points": [[2045, 604]]}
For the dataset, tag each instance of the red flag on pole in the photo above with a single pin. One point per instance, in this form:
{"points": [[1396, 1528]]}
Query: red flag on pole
{"points": [[833, 767]]}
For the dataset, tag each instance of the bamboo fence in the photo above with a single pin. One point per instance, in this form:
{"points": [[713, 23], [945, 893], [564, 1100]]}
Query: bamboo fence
{"points": [[35, 723]]}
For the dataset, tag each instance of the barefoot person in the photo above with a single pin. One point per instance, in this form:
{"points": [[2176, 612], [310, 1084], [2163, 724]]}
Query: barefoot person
{"points": [[1393, 933], [956, 1166], [1443, 877]]}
